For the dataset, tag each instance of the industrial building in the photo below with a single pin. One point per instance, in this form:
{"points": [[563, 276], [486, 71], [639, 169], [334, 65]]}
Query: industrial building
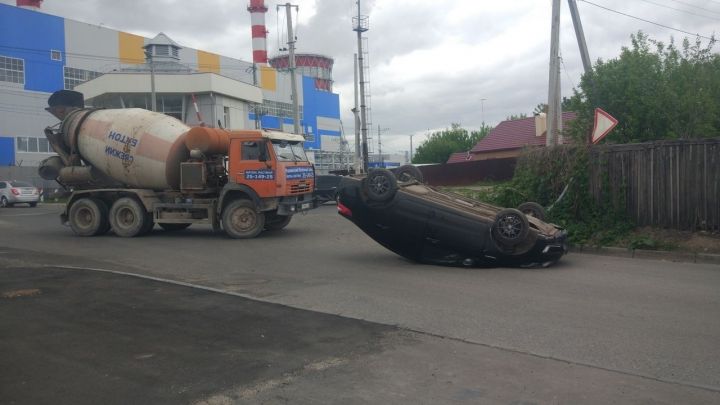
{"points": [[42, 53]]}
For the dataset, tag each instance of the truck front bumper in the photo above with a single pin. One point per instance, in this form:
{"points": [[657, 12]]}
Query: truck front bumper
{"points": [[295, 204]]}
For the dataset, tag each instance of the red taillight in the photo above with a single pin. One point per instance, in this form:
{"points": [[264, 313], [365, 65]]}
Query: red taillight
{"points": [[15, 191], [343, 210]]}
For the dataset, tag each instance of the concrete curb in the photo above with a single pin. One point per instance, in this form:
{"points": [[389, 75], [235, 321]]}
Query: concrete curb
{"points": [[670, 256]]}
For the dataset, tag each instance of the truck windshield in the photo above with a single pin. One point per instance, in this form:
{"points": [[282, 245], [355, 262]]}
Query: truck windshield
{"points": [[289, 151]]}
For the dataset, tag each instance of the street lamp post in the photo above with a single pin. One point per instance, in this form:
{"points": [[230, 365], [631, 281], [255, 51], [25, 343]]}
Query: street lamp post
{"points": [[482, 110]]}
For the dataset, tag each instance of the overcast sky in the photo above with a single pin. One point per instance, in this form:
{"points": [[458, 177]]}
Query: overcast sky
{"points": [[432, 63]]}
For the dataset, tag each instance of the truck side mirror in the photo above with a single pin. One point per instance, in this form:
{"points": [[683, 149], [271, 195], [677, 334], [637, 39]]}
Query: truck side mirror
{"points": [[263, 154]]}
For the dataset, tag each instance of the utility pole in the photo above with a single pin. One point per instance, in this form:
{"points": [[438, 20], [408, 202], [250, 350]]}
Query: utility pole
{"points": [[382, 160], [577, 24], [153, 98], [360, 26], [411, 148], [554, 120], [291, 66], [356, 112]]}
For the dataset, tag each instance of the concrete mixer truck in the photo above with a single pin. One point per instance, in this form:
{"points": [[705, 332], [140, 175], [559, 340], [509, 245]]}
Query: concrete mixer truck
{"points": [[130, 169]]}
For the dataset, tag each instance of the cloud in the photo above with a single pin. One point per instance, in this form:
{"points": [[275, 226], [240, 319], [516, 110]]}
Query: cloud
{"points": [[431, 62]]}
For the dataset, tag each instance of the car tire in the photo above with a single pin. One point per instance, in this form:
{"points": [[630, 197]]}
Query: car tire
{"points": [[241, 220], [510, 228], [380, 185], [173, 227], [275, 222], [128, 218], [408, 173], [88, 217], [4, 203], [32, 204], [532, 209]]}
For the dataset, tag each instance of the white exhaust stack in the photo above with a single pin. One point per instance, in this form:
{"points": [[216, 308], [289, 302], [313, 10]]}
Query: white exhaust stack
{"points": [[257, 11]]}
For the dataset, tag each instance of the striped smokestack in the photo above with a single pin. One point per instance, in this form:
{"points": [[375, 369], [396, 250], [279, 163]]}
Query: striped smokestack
{"points": [[29, 4], [257, 11]]}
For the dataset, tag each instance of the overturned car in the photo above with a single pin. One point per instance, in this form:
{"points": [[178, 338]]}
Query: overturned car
{"points": [[426, 225]]}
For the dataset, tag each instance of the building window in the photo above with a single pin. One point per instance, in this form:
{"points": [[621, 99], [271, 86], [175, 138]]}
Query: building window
{"points": [[279, 109], [175, 52], [226, 117], [32, 144], [162, 50], [55, 55], [171, 105], [74, 76], [12, 70]]}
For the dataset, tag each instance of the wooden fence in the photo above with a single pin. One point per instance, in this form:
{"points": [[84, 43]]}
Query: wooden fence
{"points": [[670, 184]]}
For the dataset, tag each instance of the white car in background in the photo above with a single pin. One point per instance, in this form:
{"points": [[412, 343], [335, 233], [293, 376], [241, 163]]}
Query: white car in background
{"points": [[18, 192]]}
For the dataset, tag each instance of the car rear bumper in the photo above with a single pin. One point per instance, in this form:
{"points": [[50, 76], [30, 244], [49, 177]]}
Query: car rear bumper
{"points": [[29, 198]]}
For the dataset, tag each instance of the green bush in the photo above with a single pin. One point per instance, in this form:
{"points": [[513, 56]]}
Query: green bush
{"points": [[542, 174]]}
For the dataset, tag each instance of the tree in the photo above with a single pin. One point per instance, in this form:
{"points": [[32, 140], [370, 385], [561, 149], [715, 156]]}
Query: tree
{"points": [[440, 145], [655, 91], [516, 117], [540, 108]]}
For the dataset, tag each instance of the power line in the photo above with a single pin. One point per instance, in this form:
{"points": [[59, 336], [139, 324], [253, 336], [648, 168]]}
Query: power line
{"points": [[681, 10], [647, 21], [697, 7]]}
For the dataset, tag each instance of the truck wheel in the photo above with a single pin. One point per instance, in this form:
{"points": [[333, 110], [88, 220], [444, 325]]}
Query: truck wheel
{"points": [[128, 217], [88, 217], [275, 222], [532, 209], [380, 185], [173, 227], [241, 220], [511, 227], [409, 173]]}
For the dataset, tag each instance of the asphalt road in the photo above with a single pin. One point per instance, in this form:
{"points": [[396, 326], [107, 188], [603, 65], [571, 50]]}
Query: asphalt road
{"points": [[590, 329]]}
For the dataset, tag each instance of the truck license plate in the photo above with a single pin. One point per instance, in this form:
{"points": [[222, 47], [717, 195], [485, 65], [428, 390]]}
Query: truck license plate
{"points": [[305, 206]]}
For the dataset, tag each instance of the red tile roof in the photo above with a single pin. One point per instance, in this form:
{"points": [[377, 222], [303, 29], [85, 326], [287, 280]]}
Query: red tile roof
{"points": [[515, 134], [459, 157]]}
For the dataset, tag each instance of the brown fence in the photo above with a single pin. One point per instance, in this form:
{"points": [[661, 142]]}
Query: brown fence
{"points": [[461, 174], [671, 184]]}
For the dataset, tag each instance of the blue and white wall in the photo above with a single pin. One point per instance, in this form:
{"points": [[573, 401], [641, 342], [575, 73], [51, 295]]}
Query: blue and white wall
{"points": [[31, 36]]}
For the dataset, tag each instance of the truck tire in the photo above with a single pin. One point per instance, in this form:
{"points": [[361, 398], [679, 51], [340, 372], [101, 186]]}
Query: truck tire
{"points": [[173, 227], [88, 217], [275, 222], [241, 220], [510, 228], [128, 218]]}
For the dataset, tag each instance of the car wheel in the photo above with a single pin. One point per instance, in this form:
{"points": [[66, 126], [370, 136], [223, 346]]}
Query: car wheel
{"points": [[173, 227], [409, 173], [241, 220], [380, 185], [532, 209], [128, 217], [32, 204], [4, 202], [88, 217], [511, 227], [275, 222]]}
